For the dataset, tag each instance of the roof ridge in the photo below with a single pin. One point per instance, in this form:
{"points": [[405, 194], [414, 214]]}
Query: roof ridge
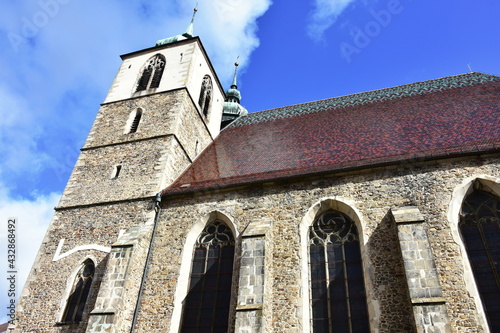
{"points": [[372, 96]]}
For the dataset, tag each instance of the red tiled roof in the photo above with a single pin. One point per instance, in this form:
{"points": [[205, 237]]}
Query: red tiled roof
{"points": [[437, 118]]}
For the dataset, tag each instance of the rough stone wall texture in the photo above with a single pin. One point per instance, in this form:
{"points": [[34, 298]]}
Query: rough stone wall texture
{"points": [[251, 284], [169, 133], [421, 275], [117, 297], [428, 186], [142, 169], [431, 318], [161, 114], [43, 298]]}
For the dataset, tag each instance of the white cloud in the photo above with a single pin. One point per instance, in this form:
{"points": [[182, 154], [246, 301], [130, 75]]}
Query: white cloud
{"points": [[18, 133], [228, 29], [324, 15], [32, 218]]}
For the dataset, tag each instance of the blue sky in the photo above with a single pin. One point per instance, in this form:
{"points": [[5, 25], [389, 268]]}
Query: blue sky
{"points": [[59, 57]]}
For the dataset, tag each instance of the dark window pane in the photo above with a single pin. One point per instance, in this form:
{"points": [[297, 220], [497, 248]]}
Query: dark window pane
{"points": [[331, 302], [480, 230], [209, 290], [78, 297]]}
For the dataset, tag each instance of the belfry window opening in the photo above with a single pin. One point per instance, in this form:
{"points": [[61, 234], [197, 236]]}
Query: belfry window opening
{"points": [[152, 73], [205, 95]]}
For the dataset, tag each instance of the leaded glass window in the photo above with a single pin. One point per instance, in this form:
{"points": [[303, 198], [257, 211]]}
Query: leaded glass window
{"points": [[79, 293], [480, 229], [152, 73], [338, 298], [205, 94], [206, 306]]}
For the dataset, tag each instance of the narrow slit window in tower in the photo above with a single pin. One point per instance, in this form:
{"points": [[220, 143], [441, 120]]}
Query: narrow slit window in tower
{"points": [[136, 121], [205, 95], [116, 171]]}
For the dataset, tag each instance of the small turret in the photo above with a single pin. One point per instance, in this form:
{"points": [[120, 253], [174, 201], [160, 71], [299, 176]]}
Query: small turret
{"points": [[232, 107], [189, 33]]}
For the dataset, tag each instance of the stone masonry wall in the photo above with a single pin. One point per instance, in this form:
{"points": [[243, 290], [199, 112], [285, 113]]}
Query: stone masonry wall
{"points": [[117, 297], [160, 116], [43, 298], [169, 133], [142, 166], [371, 193]]}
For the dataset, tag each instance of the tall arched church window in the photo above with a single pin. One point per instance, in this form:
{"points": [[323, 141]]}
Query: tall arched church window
{"points": [[480, 230], [205, 95], [79, 293], [206, 306], [338, 298], [152, 73]]}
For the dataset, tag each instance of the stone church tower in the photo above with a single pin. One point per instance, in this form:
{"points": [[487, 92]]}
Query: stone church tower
{"points": [[164, 107]]}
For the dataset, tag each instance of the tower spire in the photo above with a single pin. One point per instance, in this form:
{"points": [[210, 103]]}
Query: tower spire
{"points": [[189, 33], [236, 64], [232, 107]]}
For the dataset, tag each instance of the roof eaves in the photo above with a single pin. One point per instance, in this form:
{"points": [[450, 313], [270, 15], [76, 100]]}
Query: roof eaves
{"points": [[380, 95], [252, 179]]}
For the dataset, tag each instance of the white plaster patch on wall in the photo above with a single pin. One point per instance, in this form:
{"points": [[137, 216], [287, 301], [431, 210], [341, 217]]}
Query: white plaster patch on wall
{"points": [[59, 256]]}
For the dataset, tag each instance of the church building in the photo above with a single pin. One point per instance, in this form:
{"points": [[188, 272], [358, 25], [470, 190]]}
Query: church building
{"points": [[372, 212]]}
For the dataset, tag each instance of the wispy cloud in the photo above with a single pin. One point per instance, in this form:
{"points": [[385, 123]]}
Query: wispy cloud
{"points": [[32, 217], [229, 29], [324, 15]]}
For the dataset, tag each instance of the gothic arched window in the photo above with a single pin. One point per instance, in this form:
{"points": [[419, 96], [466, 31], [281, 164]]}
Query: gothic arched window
{"points": [[206, 306], [79, 293], [152, 73], [338, 298], [205, 95], [480, 230]]}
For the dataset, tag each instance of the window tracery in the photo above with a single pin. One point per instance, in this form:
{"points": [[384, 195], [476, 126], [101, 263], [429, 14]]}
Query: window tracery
{"points": [[338, 298], [135, 122], [79, 293], [152, 73], [206, 306], [480, 229]]}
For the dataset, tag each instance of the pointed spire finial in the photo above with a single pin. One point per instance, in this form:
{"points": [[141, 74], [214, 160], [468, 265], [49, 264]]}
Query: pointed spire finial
{"points": [[189, 33], [232, 107], [190, 29], [236, 64]]}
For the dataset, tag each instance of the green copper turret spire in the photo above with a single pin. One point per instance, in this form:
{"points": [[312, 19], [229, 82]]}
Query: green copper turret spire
{"points": [[232, 107], [189, 33]]}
